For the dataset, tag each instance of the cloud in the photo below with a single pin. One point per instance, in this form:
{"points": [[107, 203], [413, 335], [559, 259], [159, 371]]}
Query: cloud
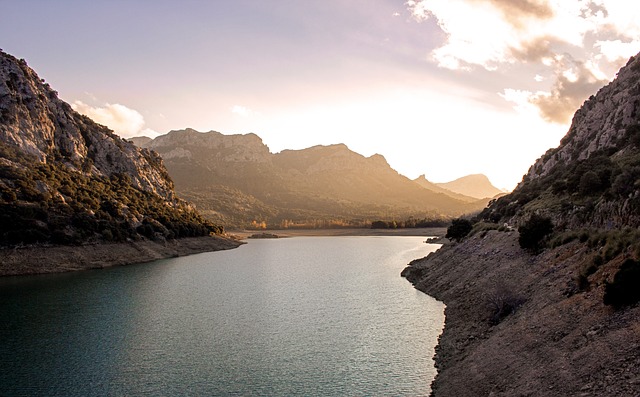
{"points": [[573, 84], [242, 111], [574, 46], [122, 120]]}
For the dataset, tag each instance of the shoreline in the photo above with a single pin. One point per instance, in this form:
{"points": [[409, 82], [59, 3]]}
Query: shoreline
{"points": [[555, 341], [34, 260], [60, 259], [417, 232]]}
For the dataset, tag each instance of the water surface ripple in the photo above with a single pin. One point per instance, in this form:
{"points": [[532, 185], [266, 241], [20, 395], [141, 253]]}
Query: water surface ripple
{"points": [[304, 316]]}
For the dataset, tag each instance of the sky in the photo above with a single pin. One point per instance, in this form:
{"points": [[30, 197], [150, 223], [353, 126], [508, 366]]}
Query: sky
{"points": [[440, 88]]}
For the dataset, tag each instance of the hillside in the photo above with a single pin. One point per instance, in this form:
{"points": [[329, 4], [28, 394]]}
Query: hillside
{"points": [[67, 180], [560, 317], [236, 180], [477, 185]]}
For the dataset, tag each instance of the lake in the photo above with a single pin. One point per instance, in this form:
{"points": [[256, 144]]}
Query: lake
{"points": [[302, 316]]}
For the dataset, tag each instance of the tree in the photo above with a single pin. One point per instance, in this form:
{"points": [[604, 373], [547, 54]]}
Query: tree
{"points": [[459, 229], [533, 231]]}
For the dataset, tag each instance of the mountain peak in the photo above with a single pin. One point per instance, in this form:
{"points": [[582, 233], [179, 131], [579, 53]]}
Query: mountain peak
{"points": [[475, 185]]}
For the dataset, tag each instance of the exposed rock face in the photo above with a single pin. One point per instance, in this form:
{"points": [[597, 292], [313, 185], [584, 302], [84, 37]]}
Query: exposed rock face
{"points": [[67, 180], [34, 120], [591, 178], [555, 342], [519, 324], [227, 148], [601, 123], [321, 183]]}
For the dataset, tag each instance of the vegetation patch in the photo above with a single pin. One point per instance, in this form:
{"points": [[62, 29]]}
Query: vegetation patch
{"points": [[625, 288], [533, 232], [459, 229]]}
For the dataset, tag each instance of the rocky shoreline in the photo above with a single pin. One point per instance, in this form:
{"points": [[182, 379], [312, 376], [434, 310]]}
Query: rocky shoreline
{"points": [[555, 340], [57, 259]]}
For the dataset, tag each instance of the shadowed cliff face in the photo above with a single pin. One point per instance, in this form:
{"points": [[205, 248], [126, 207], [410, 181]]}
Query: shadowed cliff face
{"points": [[65, 179]]}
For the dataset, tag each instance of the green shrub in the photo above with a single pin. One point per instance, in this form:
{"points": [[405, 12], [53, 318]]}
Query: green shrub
{"points": [[533, 232], [625, 288], [459, 229]]}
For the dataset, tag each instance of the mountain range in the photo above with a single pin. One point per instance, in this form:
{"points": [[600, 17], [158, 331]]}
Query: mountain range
{"points": [[235, 180]]}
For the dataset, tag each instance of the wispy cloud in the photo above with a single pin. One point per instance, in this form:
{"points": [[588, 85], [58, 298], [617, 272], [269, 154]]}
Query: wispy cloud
{"points": [[122, 120], [242, 111], [575, 45]]}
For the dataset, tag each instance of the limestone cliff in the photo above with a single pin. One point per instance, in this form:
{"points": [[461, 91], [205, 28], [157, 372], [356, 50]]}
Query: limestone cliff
{"points": [[591, 178], [565, 320], [34, 120], [65, 179]]}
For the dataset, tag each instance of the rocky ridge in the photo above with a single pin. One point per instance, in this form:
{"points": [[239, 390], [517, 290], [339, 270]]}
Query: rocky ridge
{"points": [[538, 323], [590, 179], [234, 179], [35, 121], [67, 180]]}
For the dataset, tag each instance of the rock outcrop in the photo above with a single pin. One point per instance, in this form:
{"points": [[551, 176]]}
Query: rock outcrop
{"points": [[35, 121], [67, 180], [548, 324], [591, 179], [603, 122]]}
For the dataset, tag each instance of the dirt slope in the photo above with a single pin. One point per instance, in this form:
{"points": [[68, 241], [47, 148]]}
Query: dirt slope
{"points": [[558, 342]]}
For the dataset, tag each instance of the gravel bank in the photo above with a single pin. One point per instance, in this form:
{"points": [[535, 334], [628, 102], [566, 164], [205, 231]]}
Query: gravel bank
{"points": [[558, 342], [58, 259]]}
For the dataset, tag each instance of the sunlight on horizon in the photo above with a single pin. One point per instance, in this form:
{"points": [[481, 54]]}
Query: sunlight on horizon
{"points": [[444, 89]]}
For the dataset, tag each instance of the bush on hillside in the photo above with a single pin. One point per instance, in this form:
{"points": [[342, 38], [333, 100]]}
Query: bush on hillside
{"points": [[533, 232], [625, 288], [459, 229]]}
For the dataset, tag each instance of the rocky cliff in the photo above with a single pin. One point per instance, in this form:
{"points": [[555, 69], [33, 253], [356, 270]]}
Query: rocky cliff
{"points": [[67, 180], [562, 319], [591, 178], [235, 179]]}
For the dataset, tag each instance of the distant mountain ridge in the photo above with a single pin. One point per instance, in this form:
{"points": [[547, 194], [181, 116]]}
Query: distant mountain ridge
{"points": [[236, 179], [476, 185]]}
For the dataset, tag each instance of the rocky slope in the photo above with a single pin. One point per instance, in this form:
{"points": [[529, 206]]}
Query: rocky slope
{"points": [[556, 342], [236, 180], [591, 178], [67, 180], [564, 320]]}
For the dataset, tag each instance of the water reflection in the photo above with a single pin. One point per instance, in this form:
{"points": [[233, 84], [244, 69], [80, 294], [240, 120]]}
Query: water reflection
{"points": [[300, 316]]}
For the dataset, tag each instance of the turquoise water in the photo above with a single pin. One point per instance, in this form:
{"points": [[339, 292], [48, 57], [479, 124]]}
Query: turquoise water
{"points": [[304, 316]]}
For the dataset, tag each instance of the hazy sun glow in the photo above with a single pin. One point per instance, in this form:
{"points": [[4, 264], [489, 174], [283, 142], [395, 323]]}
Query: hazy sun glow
{"points": [[442, 88]]}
